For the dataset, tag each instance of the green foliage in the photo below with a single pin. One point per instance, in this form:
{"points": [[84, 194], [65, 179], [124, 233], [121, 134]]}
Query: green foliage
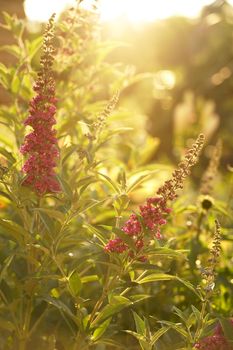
{"points": [[59, 288]]}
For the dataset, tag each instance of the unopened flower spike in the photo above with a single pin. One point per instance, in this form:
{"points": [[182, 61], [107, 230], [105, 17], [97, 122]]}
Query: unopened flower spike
{"points": [[209, 273], [217, 341], [206, 187], [100, 121], [146, 225], [40, 145]]}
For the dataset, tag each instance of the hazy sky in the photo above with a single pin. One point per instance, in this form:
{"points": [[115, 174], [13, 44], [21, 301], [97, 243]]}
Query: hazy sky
{"points": [[133, 10]]}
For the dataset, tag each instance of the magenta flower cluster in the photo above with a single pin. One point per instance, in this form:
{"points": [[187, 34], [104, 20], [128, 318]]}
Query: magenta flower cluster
{"points": [[41, 144], [215, 342], [146, 225], [150, 218]]}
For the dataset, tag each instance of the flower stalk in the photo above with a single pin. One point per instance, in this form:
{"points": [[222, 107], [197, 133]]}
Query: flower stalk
{"points": [[146, 225], [40, 145]]}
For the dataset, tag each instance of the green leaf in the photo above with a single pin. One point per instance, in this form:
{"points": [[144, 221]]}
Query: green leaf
{"points": [[189, 286], [75, 283], [55, 293], [47, 221], [146, 266], [100, 235], [154, 277], [33, 46], [8, 155], [100, 330], [68, 152], [52, 213], [90, 278], [61, 307], [5, 195], [196, 312], [14, 50], [178, 327], [13, 24], [138, 336], [219, 207], [136, 298], [167, 252], [139, 180], [13, 230], [15, 84], [110, 182], [26, 87], [3, 69], [110, 342], [158, 334], [86, 181], [7, 263], [227, 329], [180, 314], [66, 187], [165, 277], [88, 204], [38, 310], [140, 324], [6, 290], [141, 338], [4, 76], [117, 304]]}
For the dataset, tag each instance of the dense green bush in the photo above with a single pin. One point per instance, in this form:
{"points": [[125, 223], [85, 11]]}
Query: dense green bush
{"points": [[84, 263]]}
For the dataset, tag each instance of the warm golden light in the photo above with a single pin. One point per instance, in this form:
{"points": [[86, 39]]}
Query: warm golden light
{"points": [[149, 10], [164, 80], [131, 10], [41, 10]]}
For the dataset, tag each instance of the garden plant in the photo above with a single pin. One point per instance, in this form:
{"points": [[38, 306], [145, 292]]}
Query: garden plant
{"points": [[100, 248]]}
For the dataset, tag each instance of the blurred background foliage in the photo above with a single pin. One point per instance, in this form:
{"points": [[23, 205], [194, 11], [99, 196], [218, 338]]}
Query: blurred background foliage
{"points": [[192, 85], [184, 74]]}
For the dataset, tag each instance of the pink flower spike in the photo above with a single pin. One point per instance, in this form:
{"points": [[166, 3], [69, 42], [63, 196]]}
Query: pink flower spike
{"points": [[41, 144]]}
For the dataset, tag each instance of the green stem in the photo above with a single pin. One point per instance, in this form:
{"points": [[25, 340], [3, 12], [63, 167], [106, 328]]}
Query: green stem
{"points": [[106, 289], [201, 321], [14, 318], [37, 322], [108, 283], [199, 223], [22, 344]]}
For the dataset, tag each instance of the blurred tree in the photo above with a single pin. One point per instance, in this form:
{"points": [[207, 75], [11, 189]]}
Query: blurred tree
{"points": [[198, 53]]}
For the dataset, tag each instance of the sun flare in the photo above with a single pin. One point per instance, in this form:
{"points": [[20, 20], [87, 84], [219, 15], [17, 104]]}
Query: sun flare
{"points": [[135, 11]]}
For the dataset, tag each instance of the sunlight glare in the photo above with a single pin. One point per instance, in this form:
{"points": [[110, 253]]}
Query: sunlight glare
{"points": [[110, 10], [164, 80], [40, 11], [149, 10]]}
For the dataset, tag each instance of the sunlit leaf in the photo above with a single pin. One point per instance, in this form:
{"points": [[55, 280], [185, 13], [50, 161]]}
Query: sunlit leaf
{"points": [[100, 330], [117, 304], [75, 283]]}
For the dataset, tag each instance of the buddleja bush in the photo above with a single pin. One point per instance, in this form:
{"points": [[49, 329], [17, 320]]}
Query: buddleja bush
{"points": [[82, 265]]}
